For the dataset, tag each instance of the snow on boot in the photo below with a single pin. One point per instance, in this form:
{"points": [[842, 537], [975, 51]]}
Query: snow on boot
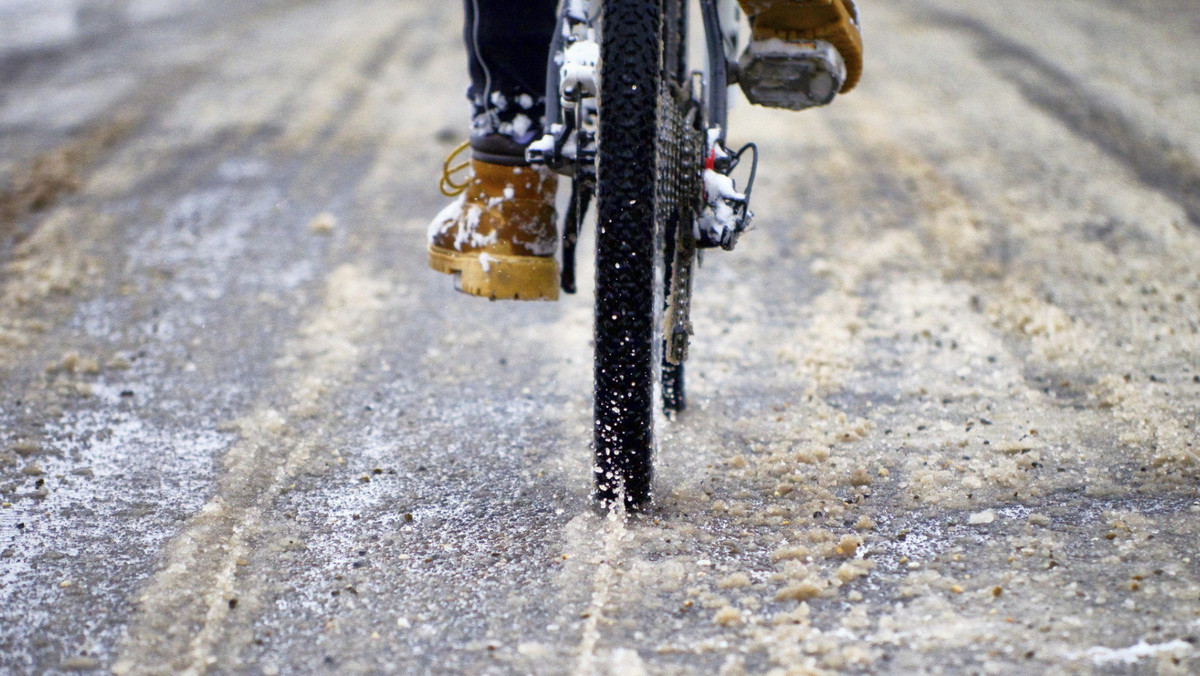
{"points": [[802, 52], [498, 237]]}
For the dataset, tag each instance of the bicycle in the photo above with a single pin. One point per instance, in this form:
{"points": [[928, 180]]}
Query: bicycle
{"points": [[644, 137]]}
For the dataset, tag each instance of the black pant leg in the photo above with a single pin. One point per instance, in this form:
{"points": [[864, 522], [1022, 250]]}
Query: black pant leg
{"points": [[508, 43]]}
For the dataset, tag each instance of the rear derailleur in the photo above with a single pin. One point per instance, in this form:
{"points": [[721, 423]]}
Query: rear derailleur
{"points": [[725, 213]]}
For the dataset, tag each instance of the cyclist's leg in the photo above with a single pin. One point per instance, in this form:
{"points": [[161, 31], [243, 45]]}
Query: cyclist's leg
{"points": [[499, 234], [508, 44]]}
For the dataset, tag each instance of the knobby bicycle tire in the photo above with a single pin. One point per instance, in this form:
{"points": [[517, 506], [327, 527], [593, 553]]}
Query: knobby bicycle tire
{"points": [[629, 243]]}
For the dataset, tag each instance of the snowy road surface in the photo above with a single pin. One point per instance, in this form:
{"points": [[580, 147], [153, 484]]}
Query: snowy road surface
{"points": [[944, 397]]}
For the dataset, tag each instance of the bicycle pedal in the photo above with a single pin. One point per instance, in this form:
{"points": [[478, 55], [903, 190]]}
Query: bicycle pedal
{"points": [[791, 75]]}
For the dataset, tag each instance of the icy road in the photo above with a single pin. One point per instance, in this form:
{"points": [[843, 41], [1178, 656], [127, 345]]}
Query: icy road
{"points": [[944, 397]]}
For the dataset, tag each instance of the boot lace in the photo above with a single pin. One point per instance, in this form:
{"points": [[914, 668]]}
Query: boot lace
{"points": [[448, 185]]}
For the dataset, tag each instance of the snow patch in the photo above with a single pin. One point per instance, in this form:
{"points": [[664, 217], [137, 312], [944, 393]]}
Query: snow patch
{"points": [[486, 260], [446, 218], [980, 518], [1101, 655], [468, 233], [521, 126]]}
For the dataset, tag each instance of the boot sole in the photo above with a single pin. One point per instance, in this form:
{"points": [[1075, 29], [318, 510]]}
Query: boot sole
{"points": [[499, 277]]}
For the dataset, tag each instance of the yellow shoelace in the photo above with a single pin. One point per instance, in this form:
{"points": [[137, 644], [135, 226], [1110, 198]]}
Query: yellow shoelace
{"points": [[448, 186]]}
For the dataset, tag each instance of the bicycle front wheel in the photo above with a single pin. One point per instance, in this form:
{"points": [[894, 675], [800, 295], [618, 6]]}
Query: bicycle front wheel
{"points": [[629, 261]]}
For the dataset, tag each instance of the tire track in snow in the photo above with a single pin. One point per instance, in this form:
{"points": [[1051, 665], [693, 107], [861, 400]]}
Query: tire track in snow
{"points": [[603, 582], [183, 609]]}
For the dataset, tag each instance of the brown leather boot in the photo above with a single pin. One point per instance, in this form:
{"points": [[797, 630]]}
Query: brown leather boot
{"points": [[499, 235], [805, 29]]}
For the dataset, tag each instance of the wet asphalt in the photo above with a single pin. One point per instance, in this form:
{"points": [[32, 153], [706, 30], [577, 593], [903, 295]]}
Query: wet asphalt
{"points": [[943, 398]]}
